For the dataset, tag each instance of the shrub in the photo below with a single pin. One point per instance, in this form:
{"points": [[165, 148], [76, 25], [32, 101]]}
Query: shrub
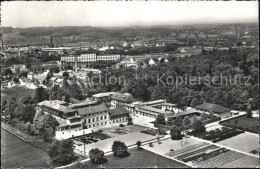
{"points": [[198, 127], [121, 125], [139, 143], [97, 156]]}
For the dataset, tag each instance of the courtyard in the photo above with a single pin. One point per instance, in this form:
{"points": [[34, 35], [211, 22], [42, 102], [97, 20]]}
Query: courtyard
{"points": [[105, 145]]}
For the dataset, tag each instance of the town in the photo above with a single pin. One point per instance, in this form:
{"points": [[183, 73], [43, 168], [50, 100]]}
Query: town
{"points": [[97, 97]]}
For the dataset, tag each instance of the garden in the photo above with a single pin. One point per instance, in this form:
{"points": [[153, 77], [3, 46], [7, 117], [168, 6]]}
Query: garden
{"points": [[218, 134], [250, 124]]}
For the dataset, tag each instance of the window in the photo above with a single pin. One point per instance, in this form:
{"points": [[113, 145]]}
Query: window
{"points": [[93, 119], [93, 125], [97, 118], [101, 117], [88, 120], [89, 126]]}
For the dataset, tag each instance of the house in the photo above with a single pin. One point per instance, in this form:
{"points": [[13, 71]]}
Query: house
{"points": [[121, 99], [129, 63], [103, 97], [151, 62], [118, 115], [30, 75], [218, 110]]}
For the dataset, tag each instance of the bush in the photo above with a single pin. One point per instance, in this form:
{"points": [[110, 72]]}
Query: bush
{"points": [[97, 156], [175, 133], [198, 127], [121, 125], [139, 143], [119, 149]]}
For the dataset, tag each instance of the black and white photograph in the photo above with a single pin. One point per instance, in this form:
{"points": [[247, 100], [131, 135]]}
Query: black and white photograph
{"points": [[129, 84]]}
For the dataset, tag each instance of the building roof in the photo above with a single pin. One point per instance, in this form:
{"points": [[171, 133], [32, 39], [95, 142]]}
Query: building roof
{"points": [[92, 109], [212, 108], [154, 102], [118, 111], [104, 94], [169, 104], [57, 105], [82, 104], [149, 108], [126, 98]]}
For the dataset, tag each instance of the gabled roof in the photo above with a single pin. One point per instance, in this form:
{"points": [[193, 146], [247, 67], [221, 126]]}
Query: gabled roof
{"points": [[212, 108], [123, 98], [118, 111], [92, 109]]}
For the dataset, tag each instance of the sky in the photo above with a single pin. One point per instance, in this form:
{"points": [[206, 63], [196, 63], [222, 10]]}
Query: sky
{"points": [[116, 13]]}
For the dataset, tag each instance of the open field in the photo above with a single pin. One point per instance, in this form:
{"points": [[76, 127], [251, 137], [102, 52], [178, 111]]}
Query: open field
{"points": [[139, 159], [17, 153], [245, 142], [244, 123]]}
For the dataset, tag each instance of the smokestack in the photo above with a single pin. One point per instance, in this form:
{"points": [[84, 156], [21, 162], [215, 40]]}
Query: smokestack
{"points": [[51, 42]]}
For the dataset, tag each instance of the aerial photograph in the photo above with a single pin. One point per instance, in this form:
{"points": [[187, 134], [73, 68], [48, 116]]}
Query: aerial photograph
{"points": [[129, 84]]}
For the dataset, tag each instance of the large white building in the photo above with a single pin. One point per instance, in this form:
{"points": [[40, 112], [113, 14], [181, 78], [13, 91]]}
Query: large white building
{"points": [[85, 60]]}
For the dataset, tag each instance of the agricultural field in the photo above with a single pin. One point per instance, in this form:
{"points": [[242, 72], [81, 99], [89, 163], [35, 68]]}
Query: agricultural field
{"points": [[17, 153], [243, 123]]}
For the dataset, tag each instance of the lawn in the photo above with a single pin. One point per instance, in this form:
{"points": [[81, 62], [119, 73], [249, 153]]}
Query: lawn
{"points": [[99, 135], [16, 92], [243, 123], [139, 159], [16, 153], [245, 142]]}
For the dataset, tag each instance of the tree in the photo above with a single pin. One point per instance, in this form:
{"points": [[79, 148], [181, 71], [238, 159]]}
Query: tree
{"points": [[47, 120], [198, 127], [160, 119], [40, 95], [249, 112], [65, 75], [61, 152], [37, 116], [194, 102], [175, 133], [15, 80], [129, 121], [186, 120], [28, 113], [97, 156], [7, 72], [119, 149], [139, 143], [48, 135]]}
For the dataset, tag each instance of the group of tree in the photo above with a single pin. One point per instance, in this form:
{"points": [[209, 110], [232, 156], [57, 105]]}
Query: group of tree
{"points": [[61, 152], [225, 90], [45, 125]]}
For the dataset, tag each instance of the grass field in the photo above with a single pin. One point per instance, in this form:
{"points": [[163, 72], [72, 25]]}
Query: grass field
{"points": [[139, 159], [244, 123], [15, 153], [17, 92]]}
